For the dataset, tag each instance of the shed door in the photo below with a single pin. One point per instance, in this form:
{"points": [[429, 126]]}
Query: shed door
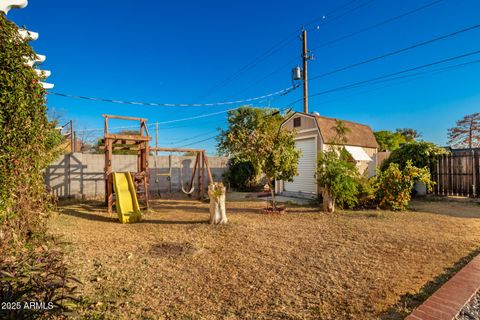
{"points": [[305, 182]]}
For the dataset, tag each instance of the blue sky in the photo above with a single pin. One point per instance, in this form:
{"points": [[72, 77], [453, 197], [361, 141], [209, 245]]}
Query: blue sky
{"points": [[183, 51]]}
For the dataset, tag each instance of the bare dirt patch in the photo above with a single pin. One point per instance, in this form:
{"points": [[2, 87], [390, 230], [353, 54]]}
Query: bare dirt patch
{"points": [[300, 265], [171, 250]]}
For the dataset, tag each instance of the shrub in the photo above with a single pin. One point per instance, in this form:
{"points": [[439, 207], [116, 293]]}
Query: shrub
{"points": [[395, 185], [338, 179], [366, 193], [421, 154], [29, 269], [337, 175], [241, 175], [37, 275]]}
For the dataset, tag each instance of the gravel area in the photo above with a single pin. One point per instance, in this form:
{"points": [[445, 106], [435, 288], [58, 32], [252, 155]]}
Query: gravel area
{"points": [[471, 311]]}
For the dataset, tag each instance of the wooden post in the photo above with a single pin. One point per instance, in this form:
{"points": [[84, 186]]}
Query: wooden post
{"points": [[447, 172], [477, 174], [210, 178], [199, 176], [108, 173], [203, 175], [473, 175], [146, 151], [444, 171], [195, 165]]}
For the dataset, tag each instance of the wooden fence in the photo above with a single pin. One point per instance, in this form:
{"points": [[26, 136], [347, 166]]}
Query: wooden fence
{"points": [[457, 174]]}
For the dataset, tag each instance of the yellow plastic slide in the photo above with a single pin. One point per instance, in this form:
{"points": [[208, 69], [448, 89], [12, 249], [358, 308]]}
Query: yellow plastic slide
{"points": [[126, 198]]}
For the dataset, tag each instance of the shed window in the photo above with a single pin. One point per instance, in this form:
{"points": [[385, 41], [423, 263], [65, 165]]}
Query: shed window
{"points": [[297, 122]]}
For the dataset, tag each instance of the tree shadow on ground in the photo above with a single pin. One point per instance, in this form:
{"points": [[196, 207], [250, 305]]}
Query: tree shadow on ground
{"points": [[449, 208], [105, 217], [170, 222], [188, 209], [200, 208], [408, 302], [94, 216]]}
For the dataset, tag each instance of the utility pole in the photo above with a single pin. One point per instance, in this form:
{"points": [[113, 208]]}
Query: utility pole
{"points": [[305, 59]]}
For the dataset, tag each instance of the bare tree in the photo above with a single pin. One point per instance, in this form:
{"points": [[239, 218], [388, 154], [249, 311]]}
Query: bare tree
{"points": [[56, 115], [409, 134], [86, 139], [466, 134]]}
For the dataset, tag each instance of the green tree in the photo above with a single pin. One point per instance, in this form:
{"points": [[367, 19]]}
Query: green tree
{"points": [[254, 135], [391, 141], [388, 140], [337, 175], [421, 154]]}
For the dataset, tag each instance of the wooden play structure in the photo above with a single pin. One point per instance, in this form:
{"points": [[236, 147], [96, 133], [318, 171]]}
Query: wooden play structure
{"points": [[135, 143], [201, 163], [133, 188]]}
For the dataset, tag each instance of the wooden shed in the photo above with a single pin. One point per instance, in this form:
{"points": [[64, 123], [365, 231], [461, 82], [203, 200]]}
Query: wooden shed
{"points": [[315, 134]]}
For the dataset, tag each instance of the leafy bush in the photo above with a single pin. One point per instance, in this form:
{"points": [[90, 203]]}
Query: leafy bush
{"points": [[394, 185], [421, 154], [28, 143], [337, 175], [338, 178], [37, 275], [241, 175], [366, 193]]}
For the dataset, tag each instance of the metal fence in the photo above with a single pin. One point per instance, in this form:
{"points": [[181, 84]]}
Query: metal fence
{"points": [[457, 174]]}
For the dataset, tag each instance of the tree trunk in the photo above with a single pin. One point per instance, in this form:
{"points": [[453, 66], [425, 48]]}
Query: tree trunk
{"points": [[216, 192], [328, 202], [272, 192]]}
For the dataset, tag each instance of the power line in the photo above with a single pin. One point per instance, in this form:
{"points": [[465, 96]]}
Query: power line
{"points": [[396, 52], [330, 12], [196, 117], [348, 12], [155, 104], [160, 122], [359, 83], [328, 43], [414, 76], [286, 41], [188, 139], [355, 33], [213, 137], [353, 85], [200, 141]]}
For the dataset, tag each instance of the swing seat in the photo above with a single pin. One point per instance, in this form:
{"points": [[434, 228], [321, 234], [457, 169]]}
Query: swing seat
{"points": [[189, 192]]}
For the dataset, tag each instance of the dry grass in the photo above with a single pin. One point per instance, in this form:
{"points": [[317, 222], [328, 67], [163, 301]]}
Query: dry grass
{"points": [[305, 264]]}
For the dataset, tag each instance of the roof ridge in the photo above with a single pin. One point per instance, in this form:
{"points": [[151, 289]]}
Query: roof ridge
{"points": [[332, 118]]}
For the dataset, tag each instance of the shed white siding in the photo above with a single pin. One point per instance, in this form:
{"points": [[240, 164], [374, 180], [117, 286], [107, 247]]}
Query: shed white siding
{"points": [[305, 182]]}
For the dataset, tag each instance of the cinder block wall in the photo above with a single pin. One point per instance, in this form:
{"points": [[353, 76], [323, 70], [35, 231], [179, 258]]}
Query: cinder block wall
{"points": [[81, 175]]}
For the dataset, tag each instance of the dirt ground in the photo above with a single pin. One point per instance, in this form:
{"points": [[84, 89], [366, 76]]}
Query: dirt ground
{"points": [[301, 265]]}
